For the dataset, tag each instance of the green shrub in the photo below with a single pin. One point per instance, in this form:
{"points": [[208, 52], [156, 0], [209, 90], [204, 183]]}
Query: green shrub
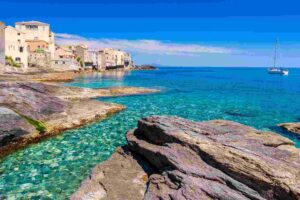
{"points": [[39, 50], [10, 61], [16, 64]]}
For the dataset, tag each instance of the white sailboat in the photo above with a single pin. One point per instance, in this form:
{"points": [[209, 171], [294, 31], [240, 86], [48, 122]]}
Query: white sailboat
{"points": [[275, 69]]}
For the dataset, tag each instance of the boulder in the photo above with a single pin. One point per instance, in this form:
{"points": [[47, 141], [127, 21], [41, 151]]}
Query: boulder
{"points": [[211, 160]]}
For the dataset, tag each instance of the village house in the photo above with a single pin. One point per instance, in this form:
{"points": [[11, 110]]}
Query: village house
{"points": [[37, 45], [64, 59], [115, 58], [37, 35], [96, 57], [128, 62], [15, 46], [62, 52], [81, 52], [2, 55], [32, 44]]}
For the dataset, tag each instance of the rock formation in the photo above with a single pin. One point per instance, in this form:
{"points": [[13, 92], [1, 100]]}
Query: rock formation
{"points": [[31, 111], [145, 67], [197, 160], [292, 127]]}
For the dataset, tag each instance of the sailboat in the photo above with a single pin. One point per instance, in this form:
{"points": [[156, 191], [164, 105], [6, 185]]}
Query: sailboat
{"points": [[275, 69]]}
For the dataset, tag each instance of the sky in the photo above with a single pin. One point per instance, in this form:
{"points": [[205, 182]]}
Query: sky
{"points": [[173, 32]]}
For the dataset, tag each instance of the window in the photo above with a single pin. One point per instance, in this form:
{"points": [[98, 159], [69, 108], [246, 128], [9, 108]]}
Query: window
{"points": [[31, 27], [61, 57], [63, 62], [18, 59], [19, 33], [21, 49]]}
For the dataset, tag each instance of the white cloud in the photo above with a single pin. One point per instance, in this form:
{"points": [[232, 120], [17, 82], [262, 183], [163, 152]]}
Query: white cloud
{"points": [[143, 46]]}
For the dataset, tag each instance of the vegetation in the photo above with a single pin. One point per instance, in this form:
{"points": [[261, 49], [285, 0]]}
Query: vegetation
{"points": [[39, 50], [78, 59], [10, 61], [40, 126]]}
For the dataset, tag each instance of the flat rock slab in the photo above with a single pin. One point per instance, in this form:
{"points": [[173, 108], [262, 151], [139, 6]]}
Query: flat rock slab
{"points": [[81, 112], [65, 92], [30, 99], [213, 160], [51, 108]]}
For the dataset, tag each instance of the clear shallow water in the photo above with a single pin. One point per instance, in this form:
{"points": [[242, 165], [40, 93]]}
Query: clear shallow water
{"points": [[54, 168]]}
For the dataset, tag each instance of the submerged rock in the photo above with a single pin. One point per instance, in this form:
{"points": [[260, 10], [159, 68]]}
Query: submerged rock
{"points": [[208, 160], [238, 114]]}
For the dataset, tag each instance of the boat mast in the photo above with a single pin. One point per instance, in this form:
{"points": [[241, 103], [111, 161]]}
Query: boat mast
{"points": [[275, 53]]}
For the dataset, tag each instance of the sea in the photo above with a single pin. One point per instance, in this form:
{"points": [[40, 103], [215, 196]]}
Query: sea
{"points": [[54, 168]]}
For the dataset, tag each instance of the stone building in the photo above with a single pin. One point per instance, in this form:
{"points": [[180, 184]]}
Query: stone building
{"points": [[15, 46], [81, 51], [37, 45], [96, 57], [39, 59], [39, 32], [115, 58], [2, 46], [64, 59]]}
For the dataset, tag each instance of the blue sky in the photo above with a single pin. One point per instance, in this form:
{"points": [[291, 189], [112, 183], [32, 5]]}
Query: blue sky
{"points": [[173, 32]]}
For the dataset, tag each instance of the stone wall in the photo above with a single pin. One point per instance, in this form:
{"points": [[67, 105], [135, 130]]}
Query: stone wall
{"points": [[40, 59], [64, 65]]}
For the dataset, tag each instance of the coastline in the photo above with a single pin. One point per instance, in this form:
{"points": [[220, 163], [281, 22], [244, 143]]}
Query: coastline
{"points": [[65, 107], [174, 157]]}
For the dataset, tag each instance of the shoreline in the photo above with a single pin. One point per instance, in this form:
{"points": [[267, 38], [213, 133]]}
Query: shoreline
{"points": [[45, 109], [172, 156]]}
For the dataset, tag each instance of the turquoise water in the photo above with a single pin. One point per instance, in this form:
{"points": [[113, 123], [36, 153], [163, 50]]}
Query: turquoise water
{"points": [[53, 169]]}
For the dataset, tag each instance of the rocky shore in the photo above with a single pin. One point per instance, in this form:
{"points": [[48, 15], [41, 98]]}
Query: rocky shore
{"points": [[291, 127], [31, 111], [174, 158]]}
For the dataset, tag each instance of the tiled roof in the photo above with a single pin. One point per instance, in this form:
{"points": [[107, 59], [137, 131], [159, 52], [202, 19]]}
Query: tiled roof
{"points": [[36, 41]]}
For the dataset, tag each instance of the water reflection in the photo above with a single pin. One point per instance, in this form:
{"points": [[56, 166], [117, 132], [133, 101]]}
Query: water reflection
{"points": [[102, 79]]}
